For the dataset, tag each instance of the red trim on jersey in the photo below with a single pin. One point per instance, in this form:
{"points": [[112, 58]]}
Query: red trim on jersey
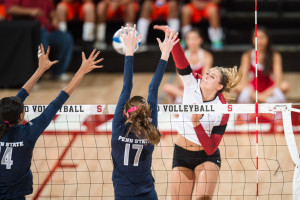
{"points": [[225, 117]]}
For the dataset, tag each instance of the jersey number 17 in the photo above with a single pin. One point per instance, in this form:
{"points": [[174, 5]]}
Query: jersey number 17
{"points": [[137, 155]]}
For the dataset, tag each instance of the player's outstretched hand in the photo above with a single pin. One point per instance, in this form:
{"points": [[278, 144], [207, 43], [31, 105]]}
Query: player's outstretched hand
{"points": [[168, 43], [130, 40], [44, 62], [196, 119], [163, 28], [89, 64]]}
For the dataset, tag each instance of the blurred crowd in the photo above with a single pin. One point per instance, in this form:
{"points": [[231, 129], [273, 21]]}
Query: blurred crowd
{"points": [[181, 16]]}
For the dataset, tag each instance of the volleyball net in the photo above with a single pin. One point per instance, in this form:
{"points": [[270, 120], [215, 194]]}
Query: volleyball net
{"points": [[72, 158]]}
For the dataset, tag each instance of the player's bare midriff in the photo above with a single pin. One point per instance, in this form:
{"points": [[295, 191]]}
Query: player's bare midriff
{"points": [[187, 144]]}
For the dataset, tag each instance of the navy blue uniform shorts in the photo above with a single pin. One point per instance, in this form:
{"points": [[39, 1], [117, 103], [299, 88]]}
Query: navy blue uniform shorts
{"points": [[147, 196]]}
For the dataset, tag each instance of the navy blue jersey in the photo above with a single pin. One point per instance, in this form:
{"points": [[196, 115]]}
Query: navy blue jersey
{"points": [[132, 157], [16, 148]]}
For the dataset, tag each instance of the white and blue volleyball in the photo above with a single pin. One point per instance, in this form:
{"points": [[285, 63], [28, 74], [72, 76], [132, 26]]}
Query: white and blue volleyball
{"points": [[118, 42]]}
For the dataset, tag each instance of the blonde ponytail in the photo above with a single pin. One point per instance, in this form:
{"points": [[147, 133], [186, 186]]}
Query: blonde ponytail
{"points": [[230, 78]]}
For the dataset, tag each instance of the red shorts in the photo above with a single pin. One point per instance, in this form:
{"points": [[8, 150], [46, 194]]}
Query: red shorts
{"points": [[120, 11], [2, 11], [198, 14], [75, 9], [160, 11]]}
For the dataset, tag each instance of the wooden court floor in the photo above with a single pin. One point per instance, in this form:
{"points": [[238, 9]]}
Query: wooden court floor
{"points": [[82, 168]]}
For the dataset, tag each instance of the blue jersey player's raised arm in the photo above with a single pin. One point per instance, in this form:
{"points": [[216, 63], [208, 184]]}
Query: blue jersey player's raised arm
{"points": [[134, 131], [17, 140]]}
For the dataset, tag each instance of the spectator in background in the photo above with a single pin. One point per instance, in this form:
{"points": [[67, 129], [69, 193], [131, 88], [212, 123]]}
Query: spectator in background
{"points": [[2, 10], [108, 10], [270, 88], [194, 12], [43, 11], [155, 9], [200, 61], [84, 10]]}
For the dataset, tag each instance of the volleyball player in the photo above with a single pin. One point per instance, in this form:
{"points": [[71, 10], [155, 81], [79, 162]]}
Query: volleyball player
{"points": [[17, 140], [200, 61], [134, 128], [196, 159]]}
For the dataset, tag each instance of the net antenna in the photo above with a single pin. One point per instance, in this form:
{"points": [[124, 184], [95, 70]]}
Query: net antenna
{"points": [[256, 100], [292, 146]]}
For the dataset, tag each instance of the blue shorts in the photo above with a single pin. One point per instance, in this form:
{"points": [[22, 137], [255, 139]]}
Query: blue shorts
{"points": [[147, 196], [18, 198]]}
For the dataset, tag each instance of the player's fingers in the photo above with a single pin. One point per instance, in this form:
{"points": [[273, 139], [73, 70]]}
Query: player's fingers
{"points": [[54, 62], [123, 29], [128, 30], [162, 28], [83, 56], [42, 48], [174, 37], [166, 34], [176, 41], [92, 54], [98, 61], [134, 29], [48, 52], [159, 41], [139, 37], [98, 67], [171, 35], [96, 55]]}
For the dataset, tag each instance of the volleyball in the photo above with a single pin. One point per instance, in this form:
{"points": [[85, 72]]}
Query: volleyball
{"points": [[118, 43]]}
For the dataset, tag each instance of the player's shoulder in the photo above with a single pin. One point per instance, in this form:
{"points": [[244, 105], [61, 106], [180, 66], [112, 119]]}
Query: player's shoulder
{"points": [[221, 99]]}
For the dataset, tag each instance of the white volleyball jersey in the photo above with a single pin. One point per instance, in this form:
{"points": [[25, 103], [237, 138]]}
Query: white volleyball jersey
{"points": [[192, 95]]}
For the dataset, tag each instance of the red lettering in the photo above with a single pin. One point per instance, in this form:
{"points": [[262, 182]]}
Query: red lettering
{"points": [[99, 108], [229, 108]]}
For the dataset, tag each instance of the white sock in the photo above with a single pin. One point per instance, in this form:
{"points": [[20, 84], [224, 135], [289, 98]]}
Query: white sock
{"points": [[62, 26], [88, 32], [245, 96], [185, 29], [101, 31], [142, 28], [174, 24], [215, 34]]}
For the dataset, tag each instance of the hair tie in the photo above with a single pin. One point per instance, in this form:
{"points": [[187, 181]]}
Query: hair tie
{"points": [[131, 110], [7, 122]]}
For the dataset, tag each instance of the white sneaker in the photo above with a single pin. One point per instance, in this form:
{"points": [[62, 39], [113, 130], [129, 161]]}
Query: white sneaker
{"points": [[64, 77], [100, 45]]}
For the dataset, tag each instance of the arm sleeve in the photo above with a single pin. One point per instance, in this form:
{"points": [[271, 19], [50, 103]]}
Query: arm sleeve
{"points": [[153, 89], [126, 91], [183, 66], [39, 124], [211, 144], [22, 94]]}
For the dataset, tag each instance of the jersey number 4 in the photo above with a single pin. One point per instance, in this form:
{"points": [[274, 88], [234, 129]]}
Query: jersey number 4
{"points": [[137, 155], [6, 159]]}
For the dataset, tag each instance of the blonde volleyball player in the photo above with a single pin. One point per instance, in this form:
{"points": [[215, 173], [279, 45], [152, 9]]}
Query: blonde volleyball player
{"points": [[196, 159], [18, 140]]}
